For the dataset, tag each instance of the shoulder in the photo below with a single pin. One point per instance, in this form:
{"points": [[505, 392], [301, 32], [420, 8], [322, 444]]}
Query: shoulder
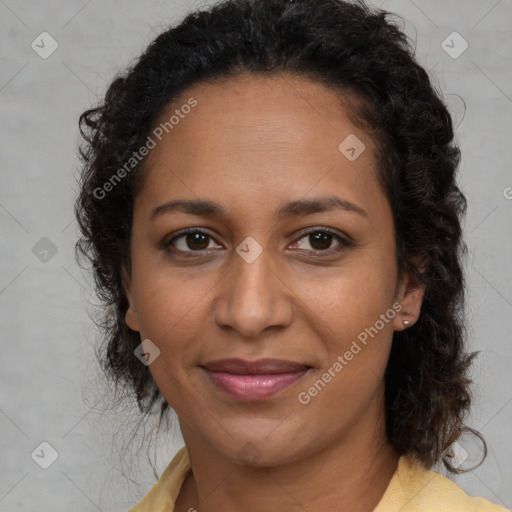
{"points": [[163, 495], [416, 489]]}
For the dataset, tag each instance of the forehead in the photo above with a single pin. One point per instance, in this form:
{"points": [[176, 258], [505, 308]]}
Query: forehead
{"points": [[260, 136], [272, 108]]}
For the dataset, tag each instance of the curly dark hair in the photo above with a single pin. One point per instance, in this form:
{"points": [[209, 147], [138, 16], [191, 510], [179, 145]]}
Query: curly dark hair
{"points": [[360, 52]]}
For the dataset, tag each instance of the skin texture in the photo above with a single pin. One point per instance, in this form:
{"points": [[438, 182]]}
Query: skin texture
{"points": [[253, 144]]}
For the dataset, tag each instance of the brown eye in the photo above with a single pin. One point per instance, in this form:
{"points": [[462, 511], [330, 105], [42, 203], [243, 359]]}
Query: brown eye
{"points": [[191, 241], [197, 241], [320, 240]]}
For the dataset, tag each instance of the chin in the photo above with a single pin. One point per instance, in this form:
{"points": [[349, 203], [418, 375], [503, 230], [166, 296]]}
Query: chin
{"points": [[258, 450]]}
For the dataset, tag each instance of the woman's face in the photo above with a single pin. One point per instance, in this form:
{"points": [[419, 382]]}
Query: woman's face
{"points": [[262, 279]]}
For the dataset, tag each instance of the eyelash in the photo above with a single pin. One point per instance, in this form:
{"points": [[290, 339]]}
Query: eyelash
{"points": [[344, 243]]}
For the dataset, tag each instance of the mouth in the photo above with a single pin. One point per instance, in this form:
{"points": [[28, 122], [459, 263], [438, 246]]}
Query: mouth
{"points": [[254, 380]]}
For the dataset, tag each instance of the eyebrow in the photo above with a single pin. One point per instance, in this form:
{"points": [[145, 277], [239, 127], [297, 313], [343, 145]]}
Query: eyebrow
{"points": [[294, 208]]}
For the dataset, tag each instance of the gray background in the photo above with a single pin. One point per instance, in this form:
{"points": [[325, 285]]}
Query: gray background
{"points": [[51, 387]]}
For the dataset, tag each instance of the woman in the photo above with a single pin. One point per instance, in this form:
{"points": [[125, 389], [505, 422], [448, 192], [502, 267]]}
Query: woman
{"points": [[269, 201]]}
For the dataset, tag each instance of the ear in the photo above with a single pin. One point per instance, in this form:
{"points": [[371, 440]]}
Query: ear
{"points": [[131, 317], [410, 297]]}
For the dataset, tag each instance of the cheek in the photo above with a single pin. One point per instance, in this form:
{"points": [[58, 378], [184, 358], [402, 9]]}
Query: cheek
{"points": [[172, 313], [353, 314], [356, 325], [352, 295], [170, 304]]}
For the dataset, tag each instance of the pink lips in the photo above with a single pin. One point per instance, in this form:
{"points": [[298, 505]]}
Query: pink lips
{"points": [[254, 380]]}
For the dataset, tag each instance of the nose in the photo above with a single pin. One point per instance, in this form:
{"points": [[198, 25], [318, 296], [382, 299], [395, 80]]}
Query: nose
{"points": [[253, 297]]}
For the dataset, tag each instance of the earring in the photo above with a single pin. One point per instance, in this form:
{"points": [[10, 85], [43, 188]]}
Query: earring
{"points": [[406, 322]]}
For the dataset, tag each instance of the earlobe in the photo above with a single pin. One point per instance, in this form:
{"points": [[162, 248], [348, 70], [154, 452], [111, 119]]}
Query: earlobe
{"points": [[131, 317], [410, 298]]}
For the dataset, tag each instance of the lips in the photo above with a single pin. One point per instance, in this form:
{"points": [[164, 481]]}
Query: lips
{"points": [[261, 366], [253, 380]]}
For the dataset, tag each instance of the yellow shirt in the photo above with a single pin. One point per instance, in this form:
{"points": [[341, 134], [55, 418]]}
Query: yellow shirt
{"points": [[411, 489]]}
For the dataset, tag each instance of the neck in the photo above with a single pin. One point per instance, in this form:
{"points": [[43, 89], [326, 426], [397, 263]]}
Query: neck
{"points": [[351, 474]]}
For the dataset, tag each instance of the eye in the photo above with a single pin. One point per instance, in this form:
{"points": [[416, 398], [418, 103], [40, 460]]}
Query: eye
{"points": [[321, 240], [191, 240]]}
